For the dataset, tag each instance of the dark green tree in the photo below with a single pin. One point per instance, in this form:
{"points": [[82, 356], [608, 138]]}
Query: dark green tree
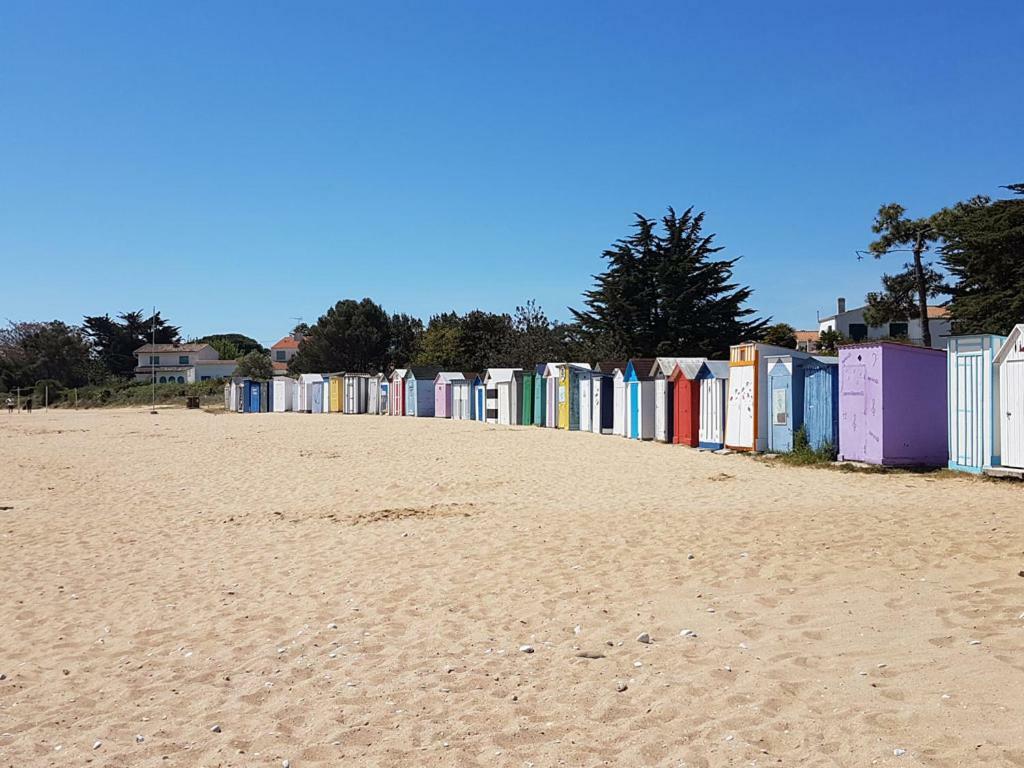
{"points": [[231, 346], [441, 342], [30, 352], [898, 233], [899, 296], [830, 341], [406, 336], [984, 254], [485, 340], [666, 294], [780, 335], [114, 340], [350, 336], [255, 365]]}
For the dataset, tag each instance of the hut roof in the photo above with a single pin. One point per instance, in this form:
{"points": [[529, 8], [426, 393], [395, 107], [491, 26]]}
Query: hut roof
{"points": [[687, 367], [448, 376], [470, 375], [719, 369], [500, 374], [610, 366], [642, 367], [1012, 338], [423, 371]]}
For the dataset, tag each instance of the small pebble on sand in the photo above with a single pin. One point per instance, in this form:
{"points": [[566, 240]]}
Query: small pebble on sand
{"points": [[526, 648], [644, 638]]}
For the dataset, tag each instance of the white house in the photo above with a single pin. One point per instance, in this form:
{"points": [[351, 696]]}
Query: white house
{"points": [[181, 363], [850, 323]]}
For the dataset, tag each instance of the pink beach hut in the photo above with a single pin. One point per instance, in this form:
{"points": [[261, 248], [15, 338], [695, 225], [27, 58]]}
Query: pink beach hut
{"points": [[443, 393]]}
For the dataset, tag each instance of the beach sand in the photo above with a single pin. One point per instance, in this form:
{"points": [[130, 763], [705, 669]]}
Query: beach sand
{"points": [[355, 590]]}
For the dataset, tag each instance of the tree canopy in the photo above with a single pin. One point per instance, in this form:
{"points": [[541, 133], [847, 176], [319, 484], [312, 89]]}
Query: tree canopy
{"points": [[780, 335], [983, 251], [55, 351], [350, 336], [665, 293], [232, 346], [255, 365], [114, 340]]}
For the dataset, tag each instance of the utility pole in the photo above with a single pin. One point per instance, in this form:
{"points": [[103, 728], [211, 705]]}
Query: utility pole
{"points": [[152, 357]]}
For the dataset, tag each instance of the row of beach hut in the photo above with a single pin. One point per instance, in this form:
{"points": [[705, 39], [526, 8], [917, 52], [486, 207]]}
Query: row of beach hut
{"points": [[877, 402]]}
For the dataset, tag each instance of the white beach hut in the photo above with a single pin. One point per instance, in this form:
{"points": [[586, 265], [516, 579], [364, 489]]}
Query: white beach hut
{"points": [[283, 398], [356, 388], [1009, 364], [310, 397], [619, 425], [377, 394], [499, 389], [586, 400], [973, 429]]}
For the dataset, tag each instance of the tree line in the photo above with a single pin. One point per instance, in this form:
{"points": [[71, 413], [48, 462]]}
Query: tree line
{"points": [[666, 289]]}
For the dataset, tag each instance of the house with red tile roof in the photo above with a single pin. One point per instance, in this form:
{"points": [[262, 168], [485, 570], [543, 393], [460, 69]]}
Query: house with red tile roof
{"points": [[283, 351]]}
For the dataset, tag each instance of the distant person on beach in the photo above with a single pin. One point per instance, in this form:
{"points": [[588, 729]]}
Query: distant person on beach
{"points": [[28, 405], [10, 405]]}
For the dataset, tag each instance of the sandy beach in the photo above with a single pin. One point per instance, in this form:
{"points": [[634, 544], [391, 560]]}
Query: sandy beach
{"points": [[210, 589]]}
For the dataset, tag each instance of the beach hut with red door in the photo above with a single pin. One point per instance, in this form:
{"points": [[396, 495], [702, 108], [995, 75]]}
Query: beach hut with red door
{"points": [[396, 392], [686, 401]]}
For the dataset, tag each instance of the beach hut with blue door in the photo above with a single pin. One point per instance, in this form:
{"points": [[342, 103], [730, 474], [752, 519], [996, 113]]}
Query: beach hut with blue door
{"points": [[640, 398], [974, 444], [325, 402], [785, 400], [540, 395], [419, 390], [252, 397], [713, 377], [480, 400], [821, 402]]}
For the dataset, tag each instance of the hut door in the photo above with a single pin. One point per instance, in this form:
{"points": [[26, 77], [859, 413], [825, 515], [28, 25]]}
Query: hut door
{"points": [[970, 429], [254, 398], [634, 409], [317, 396], [739, 420], [1012, 398], [781, 424]]}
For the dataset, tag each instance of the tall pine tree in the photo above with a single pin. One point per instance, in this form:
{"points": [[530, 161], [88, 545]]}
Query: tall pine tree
{"points": [[983, 250], [665, 293]]}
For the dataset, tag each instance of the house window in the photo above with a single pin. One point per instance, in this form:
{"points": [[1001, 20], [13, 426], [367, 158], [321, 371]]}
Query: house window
{"points": [[182, 359], [154, 359], [163, 379], [280, 354], [204, 378], [858, 331], [899, 330], [181, 379]]}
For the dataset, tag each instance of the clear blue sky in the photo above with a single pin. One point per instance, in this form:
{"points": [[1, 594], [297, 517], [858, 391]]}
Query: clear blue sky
{"points": [[241, 164]]}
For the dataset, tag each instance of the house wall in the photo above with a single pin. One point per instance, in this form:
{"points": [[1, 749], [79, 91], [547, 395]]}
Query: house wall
{"points": [[940, 328]]}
